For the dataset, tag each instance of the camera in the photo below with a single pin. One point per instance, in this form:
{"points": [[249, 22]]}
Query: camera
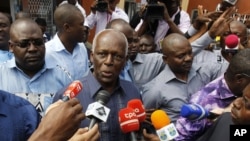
{"points": [[101, 6], [153, 10]]}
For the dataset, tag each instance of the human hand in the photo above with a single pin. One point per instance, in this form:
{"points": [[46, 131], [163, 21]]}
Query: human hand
{"points": [[150, 137], [223, 21], [205, 17], [60, 123], [84, 134]]}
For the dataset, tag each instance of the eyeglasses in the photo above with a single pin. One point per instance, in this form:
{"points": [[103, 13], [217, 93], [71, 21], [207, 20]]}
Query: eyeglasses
{"points": [[27, 42]]}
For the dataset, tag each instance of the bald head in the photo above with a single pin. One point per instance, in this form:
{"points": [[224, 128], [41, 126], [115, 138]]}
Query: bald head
{"points": [[21, 25], [108, 35], [65, 13], [172, 41], [120, 25]]}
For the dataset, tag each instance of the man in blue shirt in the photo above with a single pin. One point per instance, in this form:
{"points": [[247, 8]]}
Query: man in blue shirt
{"points": [[5, 22], [108, 57], [18, 118], [67, 46], [30, 74]]}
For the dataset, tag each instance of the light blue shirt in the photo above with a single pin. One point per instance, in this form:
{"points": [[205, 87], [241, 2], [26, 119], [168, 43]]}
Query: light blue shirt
{"points": [[169, 93], [76, 63], [125, 74], [5, 55], [39, 89]]}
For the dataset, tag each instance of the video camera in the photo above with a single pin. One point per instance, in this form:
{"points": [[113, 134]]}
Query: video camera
{"points": [[101, 6], [153, 10]]}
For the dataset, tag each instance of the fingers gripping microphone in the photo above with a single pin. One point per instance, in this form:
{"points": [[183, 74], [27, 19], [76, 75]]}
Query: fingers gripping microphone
{"points": [[139, 109], [97, 111], [165, 130], [232, 43], [72, 91], [129, 122]]}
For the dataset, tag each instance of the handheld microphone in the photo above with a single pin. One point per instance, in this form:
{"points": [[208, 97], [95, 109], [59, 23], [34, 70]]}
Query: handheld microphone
{"points": [[139, 109], [195, 112], [129, 122], [97, 111], [165, 130], [232, 43], [72, 91]]}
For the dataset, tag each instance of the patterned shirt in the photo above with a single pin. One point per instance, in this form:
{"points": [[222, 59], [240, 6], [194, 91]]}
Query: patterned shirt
{"points": [[215, 94], [38, 90]]}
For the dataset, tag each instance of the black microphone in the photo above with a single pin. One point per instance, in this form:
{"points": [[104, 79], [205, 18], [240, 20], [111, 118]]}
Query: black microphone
{"points": [[97, 111]]}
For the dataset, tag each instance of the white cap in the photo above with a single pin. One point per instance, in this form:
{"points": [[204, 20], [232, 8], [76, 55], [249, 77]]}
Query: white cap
{"points": [[233, 2]]}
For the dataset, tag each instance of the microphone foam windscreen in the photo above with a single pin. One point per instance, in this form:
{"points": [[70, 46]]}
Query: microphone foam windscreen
{"points": [[138, 107], [232, 41], [159, 119], [128, 120]]}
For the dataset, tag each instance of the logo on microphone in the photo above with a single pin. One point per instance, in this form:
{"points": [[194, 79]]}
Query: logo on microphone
{"points": [[163, 135], [101, 111], [130, 115]]}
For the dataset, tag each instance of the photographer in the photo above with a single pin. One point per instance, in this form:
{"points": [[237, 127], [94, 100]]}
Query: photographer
{"points": [[102, 12], [173, 20]]}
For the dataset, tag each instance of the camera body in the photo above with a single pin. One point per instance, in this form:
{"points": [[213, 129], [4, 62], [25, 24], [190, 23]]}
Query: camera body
{"points": [[101, 6], [153, 10]]}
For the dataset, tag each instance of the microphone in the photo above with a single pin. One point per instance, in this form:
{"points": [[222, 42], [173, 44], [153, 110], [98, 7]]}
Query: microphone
{"points": [[232, 43], [72, 91], [97, 111], [195, 112], [129, 122], [139, 109], [165, 130]]}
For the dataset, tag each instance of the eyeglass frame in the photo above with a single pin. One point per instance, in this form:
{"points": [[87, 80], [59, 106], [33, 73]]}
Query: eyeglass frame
{"points": [[28, 42]]}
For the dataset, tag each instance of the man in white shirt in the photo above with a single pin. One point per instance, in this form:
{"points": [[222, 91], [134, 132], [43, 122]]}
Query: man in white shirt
{"points": [[101, 14]]}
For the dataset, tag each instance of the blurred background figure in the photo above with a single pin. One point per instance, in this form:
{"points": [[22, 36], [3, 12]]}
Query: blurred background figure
{"points": [[43, 25], [146, 44]]}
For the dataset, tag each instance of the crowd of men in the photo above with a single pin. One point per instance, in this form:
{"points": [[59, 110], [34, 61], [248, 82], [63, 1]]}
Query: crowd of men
{"points": [[165, 62]]}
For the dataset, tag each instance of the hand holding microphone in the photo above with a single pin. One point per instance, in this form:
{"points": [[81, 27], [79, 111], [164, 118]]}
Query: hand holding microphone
{"points": [[72, 91], [60, 123], [165, 130]]}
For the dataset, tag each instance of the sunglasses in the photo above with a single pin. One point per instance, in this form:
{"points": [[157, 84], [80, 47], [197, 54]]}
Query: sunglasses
{"points": [[27, 42]]}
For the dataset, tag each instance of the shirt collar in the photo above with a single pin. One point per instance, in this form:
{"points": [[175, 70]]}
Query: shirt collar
{"points": [[169, 75], [49, 64], [93, 82]]}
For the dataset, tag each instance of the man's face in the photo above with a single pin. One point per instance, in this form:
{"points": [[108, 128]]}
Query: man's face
{"points": [[108, 58], [146, 44], [28, 47], [133, 45], [180, 58], [236, 29], [4, 30], [171, 5], [240, 111], [77, 29]]}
